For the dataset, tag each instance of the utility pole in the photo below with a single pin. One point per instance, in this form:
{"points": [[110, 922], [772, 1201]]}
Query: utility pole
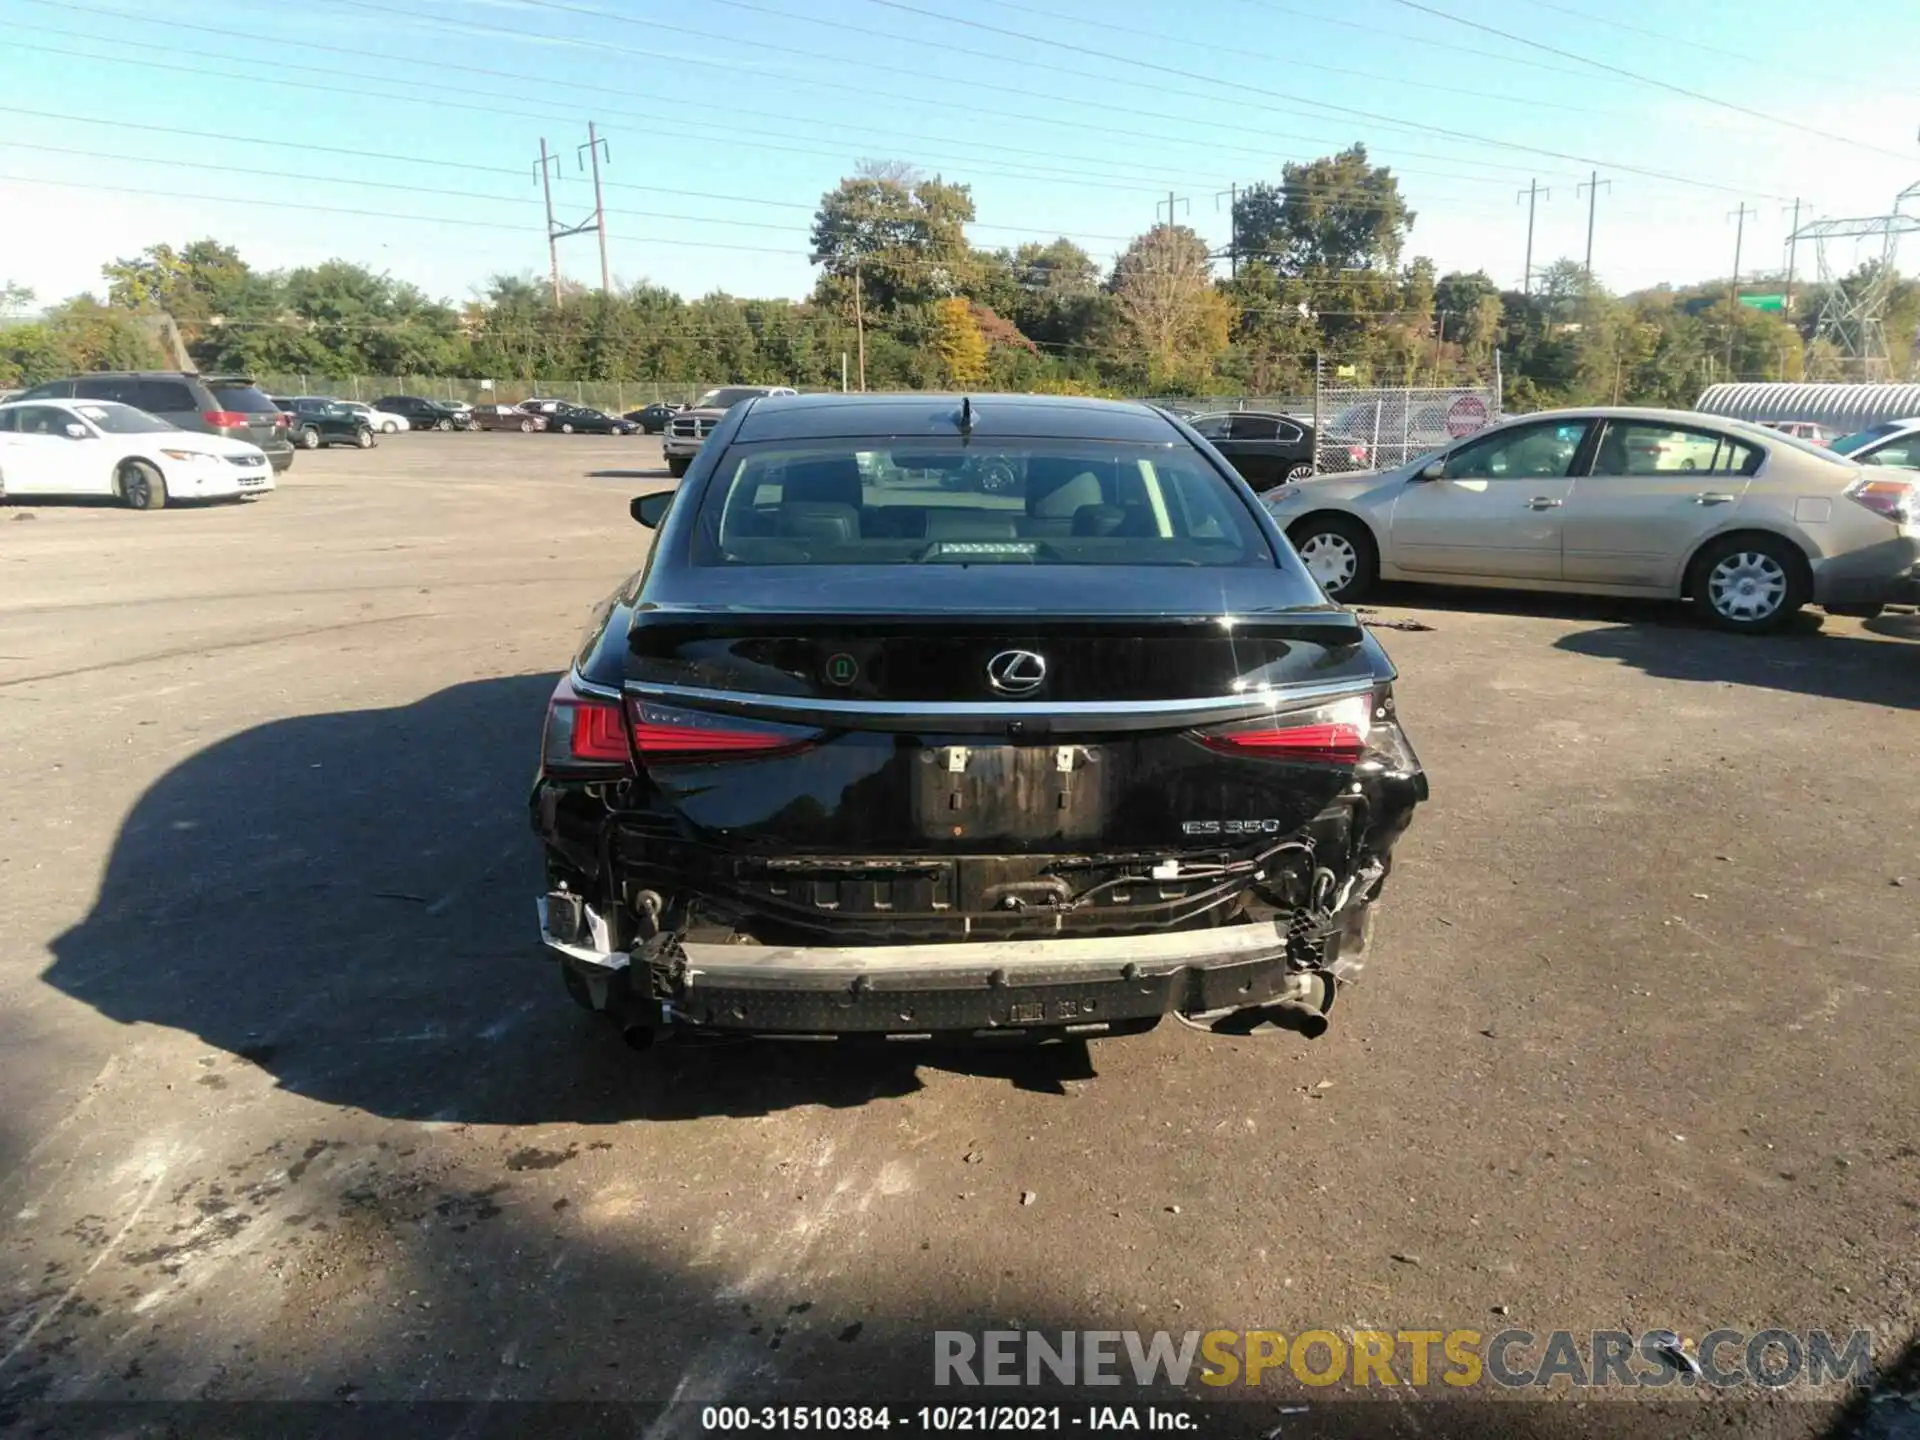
{"points": [[1733, 313], [594, 148], [1172, 200], [1531, 195], [1793, 252], [860, 327], [1592, 187], [553, 249]]}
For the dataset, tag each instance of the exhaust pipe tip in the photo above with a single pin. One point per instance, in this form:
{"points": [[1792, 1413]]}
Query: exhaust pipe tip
{"points": [[1298, 1016], [639, 1037]]}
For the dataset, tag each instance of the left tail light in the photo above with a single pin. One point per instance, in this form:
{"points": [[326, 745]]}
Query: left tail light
{"points": [[1888, 497], [664, 735]]}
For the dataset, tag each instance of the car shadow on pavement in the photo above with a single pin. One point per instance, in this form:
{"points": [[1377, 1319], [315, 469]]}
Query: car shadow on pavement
{"points": [[662, 473], [1552, 605], [346, 901], [1835, 667]]}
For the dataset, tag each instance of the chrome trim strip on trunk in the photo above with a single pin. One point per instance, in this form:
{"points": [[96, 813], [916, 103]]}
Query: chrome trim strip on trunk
{"points": [[997, 714]]}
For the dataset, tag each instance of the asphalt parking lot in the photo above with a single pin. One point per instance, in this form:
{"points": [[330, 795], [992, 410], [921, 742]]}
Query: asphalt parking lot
{"points": [[295, 1110]]}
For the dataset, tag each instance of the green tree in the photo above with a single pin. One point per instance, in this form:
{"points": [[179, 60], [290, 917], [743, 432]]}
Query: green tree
{"points": [[905, 236]]}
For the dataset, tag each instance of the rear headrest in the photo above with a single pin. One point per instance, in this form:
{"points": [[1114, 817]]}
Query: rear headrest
{"points": [[1057, 497], [832, 479]]}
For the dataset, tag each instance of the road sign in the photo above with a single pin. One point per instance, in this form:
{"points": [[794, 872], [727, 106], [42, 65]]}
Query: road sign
{"points": [[1466, 415], [1764, 302]]}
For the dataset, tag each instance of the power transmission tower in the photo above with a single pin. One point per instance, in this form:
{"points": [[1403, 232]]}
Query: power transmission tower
{"points": [[1733, 298], [1793, 252], [1593, 188], [1172, 200], [594, 149], [546, 189], [1232, 192], [557, 232], [1531, 195], [1853, 317]]}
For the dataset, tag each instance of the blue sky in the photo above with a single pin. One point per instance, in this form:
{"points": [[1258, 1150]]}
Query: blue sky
{"points": [[726, 119]]}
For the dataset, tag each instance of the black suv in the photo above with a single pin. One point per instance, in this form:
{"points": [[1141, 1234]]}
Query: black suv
{"points": [[230, 405], [424, 414]]}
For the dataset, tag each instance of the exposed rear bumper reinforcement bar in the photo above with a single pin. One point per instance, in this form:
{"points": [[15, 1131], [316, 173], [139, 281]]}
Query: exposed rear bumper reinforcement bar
{"points": [[1078, 985]]}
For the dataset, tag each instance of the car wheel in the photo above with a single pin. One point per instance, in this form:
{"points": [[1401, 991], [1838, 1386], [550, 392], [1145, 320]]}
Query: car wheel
{"points": [[1302, 471], [1857, 612], [364, 439], [1750, 583], [142, 486], [677, 465], [389, 428], [1339, 553], [526, 427], [309, 438]]}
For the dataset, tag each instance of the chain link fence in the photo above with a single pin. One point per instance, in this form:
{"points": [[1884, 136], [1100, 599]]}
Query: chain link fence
{"points": [[1367, 428]]}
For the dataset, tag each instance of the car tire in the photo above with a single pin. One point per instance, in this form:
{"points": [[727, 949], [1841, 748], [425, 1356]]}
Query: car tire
{"points": [[1300, 471], [1750, 584], [309, 438], [566, 427], [526, 427], [389, 428], [677, 465], [142, 487], [1857, 612], [364, 439], [1340, 554]]}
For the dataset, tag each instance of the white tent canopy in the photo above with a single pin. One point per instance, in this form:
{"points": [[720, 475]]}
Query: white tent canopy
{"points": [[1839, 407]]}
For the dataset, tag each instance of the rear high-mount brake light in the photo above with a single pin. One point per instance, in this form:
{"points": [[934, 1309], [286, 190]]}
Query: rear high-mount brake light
{"points": [[225, 419], [1336, 732], [1891, 498], [662, 734]]}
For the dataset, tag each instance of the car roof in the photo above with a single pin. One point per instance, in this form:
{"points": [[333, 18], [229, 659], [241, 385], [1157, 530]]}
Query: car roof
{"points": [[798, 417]]}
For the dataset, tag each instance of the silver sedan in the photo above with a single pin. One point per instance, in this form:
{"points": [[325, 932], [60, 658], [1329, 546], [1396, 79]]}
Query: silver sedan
{"points": [[1748, 523]]}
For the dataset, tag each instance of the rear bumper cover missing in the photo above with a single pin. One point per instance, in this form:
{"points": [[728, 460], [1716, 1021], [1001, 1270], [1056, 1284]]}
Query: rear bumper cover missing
{"points": [[1073, 985]]}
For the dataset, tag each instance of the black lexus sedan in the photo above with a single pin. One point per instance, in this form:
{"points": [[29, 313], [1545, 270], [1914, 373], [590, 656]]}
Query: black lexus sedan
{"points": [[584, 420], [652, 419], [857, 751]]}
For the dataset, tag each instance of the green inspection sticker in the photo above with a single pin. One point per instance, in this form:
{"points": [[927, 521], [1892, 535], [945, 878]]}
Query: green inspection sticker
{"points": [[843, 669]]}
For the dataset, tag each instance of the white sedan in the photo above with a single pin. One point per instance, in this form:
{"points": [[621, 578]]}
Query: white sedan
{"points": [[101, 447], [384, 421]]}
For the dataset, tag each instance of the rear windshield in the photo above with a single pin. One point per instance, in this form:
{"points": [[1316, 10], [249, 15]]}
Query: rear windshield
{"points": [[249, 399], [1007, 502]]}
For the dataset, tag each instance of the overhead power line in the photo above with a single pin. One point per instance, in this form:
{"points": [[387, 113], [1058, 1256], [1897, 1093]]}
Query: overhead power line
{"points": [[1290, 63], [1642, 79], [1158, 68], [440, 162], [971, 106], [1613, 22]]}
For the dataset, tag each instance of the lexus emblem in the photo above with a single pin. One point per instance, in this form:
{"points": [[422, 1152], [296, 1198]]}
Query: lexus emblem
{"points": [[1016, 672]]}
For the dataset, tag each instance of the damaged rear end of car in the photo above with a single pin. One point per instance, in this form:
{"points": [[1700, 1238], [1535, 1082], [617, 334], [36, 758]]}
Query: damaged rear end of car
{"points": [[1060, 749]]}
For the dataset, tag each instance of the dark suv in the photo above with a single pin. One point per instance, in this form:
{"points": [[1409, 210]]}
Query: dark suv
{"points": [[230, 405]]}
